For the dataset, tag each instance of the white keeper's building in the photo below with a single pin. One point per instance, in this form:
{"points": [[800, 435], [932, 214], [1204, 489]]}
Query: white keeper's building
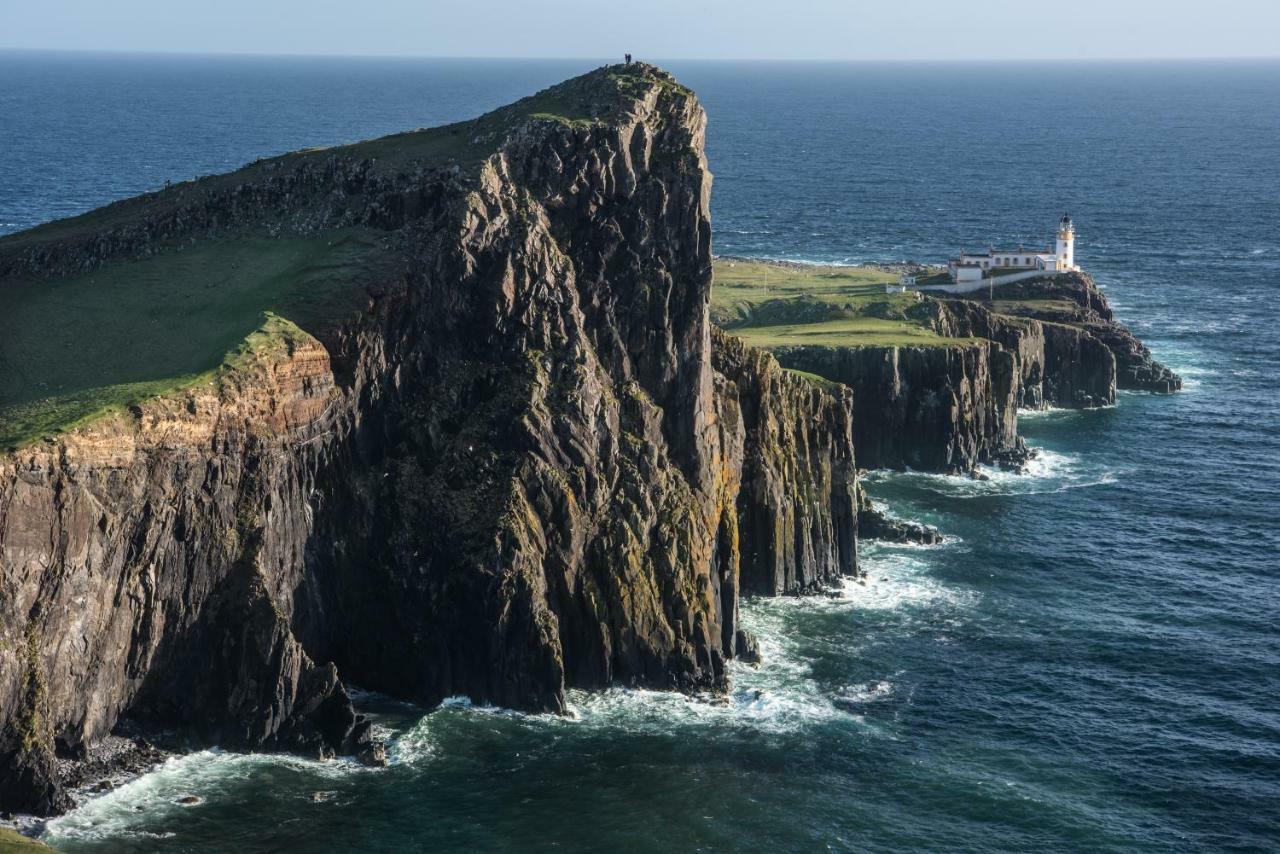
{"points": [[973, 267]]}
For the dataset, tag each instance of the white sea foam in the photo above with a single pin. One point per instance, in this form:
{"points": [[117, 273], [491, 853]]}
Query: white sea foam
{"points": [[781, 696], [124, 812], [898, 577], [1048, 471], [867, 692], [778, 696], [416, 745], [1051, 413]]}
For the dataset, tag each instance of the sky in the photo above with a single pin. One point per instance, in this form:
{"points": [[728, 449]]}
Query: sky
{"points": [[657, 29]]}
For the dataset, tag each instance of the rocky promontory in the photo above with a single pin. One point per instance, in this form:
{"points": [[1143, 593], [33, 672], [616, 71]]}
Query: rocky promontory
{"points": [[937, 380], [481, 442], [445, 413]]}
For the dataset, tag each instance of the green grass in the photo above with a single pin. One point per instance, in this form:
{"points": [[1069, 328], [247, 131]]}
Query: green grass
{"points": [[755, 293], [821, 382], [76, 348], [855, 332], [742, 287], [772, 305], [12, 842]]}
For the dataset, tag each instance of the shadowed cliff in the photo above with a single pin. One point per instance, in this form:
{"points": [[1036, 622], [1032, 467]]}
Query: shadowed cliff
{"points": [[466, 431], [937, 380]]}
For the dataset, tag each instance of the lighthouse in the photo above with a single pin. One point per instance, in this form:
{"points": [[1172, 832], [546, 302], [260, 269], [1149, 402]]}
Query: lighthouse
{"points": [[1000, 264], [1066, 248]]}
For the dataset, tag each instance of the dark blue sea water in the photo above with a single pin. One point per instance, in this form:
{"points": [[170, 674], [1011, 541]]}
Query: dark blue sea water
{"points": [[1092, 660]]}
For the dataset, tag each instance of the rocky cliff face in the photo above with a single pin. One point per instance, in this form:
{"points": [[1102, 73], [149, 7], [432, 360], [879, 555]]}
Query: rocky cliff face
{"points": [[1054, 343], [524, 466], [944, 408], [1075, 301], [798, 500]]}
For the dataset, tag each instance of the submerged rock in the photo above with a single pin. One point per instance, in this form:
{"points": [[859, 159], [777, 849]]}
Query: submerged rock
{"points": [[746, 648], [873, 524]]}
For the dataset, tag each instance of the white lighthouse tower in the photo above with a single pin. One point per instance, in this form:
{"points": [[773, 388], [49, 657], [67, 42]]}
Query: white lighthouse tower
{"points": [[1066, 248]]}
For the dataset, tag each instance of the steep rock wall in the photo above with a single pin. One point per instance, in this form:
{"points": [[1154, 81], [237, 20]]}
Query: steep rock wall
{"points": [[517, 470], [797, 507], [928, 408], [1075, 301], [141, 573], [1058, 365], [949, 408]]}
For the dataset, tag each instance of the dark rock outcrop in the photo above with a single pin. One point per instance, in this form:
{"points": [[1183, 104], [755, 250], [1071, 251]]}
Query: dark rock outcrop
{"points": [[948, 408], [1057, 365], [524, 466], [1074, 300], [874, 524], [944, 408], [797, 502]]}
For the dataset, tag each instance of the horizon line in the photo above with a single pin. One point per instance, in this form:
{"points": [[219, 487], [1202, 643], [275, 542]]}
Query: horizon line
{"points": [[249, 54]]}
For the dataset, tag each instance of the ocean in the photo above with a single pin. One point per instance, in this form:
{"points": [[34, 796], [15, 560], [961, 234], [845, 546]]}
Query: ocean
{"points": [[1089, 662]]}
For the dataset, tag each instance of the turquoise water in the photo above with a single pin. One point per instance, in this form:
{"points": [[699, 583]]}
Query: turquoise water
{"points": [[1089, 662]]}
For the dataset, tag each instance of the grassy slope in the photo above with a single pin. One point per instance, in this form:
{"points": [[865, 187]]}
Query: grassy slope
{"points": [[74, 348], [858, 332], [772, 305], [741, 287], [77, 347], [12, 842]]}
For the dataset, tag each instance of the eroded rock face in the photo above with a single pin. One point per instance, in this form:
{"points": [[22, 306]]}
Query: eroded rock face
{"points": [[523, 467], [949, 408], [926, 408], [1057, 365], [1075, 301], [142, 574], [797, 503], [875, 524]]}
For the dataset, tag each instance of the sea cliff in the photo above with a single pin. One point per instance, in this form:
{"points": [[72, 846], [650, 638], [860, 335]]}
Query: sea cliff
{"points": [[511, 459], [937, 381], [445, 413]]}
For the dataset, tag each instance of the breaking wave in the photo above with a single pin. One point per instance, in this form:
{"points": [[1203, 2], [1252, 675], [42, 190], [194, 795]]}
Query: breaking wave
{"points": [[182, 782], [1047, 472]]}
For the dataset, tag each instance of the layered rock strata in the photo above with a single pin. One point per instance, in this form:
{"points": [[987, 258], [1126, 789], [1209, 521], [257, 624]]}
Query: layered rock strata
{"points": [[953, 406], [524, 465]]}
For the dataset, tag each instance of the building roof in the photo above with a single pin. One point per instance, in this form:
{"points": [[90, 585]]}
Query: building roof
{"points": [[991, 252]]}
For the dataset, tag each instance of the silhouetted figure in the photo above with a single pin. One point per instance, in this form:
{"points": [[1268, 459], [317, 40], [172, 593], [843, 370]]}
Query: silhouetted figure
{"points": [[628, 58]]}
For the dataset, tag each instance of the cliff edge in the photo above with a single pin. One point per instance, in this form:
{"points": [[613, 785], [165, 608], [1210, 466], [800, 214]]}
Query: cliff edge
{"points": [[436, 414], [937, 380]]}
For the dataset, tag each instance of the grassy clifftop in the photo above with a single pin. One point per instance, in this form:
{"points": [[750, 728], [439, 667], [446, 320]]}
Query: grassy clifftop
{"points": [[78, 345], [773, 304]]}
